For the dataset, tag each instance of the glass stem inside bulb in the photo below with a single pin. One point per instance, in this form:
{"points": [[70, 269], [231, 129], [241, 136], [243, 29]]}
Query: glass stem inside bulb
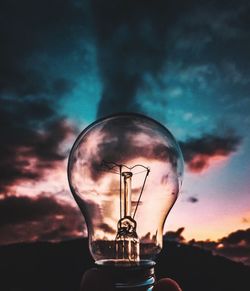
{"points": [[126, 195], [127, 241]]}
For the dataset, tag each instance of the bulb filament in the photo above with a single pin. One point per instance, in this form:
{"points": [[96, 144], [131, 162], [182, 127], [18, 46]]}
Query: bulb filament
{"points": [[127, 241]]}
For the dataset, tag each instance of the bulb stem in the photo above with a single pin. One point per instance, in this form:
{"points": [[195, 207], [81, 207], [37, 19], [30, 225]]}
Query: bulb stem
{"points": [[127, 241], [126, 195]]}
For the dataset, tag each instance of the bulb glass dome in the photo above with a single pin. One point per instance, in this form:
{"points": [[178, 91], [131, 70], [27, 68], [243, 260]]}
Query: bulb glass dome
{"points": [[125, 173]]}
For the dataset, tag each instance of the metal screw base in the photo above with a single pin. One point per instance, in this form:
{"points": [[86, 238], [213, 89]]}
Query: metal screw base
{"points": [[134, 277]]}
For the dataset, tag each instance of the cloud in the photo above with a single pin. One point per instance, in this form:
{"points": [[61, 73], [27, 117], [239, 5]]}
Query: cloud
{"points": [[237, 238], [131, 39], [30, 31], [32, 134], [137, 42], [107, 143], [192, 199], [200, 153], [41, 218], [31, 129], [107, 228], [235, 246], [245, 220], [36, 41], [175, 235]]}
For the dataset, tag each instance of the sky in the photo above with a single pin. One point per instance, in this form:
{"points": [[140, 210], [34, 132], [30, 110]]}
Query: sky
{"points": [[63, 64]]}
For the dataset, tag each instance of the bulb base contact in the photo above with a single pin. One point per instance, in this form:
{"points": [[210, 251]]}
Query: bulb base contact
{"points": [[127, 276]]}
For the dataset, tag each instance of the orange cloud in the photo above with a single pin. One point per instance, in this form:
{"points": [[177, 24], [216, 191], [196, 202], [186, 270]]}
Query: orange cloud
{"points": [[202, 162], [208, 150]]}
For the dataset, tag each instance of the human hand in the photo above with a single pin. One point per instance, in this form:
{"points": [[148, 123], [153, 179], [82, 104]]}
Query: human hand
{"points": [[96, 280]]}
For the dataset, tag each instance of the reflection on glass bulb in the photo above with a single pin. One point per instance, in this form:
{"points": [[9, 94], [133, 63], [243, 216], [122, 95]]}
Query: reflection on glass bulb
{"points": [[125, 173]]}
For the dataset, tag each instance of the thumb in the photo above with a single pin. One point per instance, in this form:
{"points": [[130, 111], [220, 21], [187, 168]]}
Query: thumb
{"points": [[96, 280]]}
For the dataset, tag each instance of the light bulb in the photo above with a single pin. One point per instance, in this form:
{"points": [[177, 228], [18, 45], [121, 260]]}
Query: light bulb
{"points": [[125, 172]]}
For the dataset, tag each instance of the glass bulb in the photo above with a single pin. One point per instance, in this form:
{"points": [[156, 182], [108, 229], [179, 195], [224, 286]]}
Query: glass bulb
{"points": [[125, 172]]}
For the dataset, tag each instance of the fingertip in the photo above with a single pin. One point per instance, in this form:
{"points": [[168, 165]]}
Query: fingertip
{"points": [[167, 284], [96, 280]]}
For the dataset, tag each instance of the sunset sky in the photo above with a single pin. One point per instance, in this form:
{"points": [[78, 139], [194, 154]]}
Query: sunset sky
{"points": [[63, 64]]}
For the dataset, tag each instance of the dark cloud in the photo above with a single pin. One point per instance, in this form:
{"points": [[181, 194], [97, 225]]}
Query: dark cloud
{"points": [[147, 238], [237, 237], [192, 199], [227, 29], [131, 38], [106, 228], [235, 246], [199, 54], [121, 146], [199, 152], [24, 209], [137, 41], [207, 244], [175, 235], [41, 218], [35, 39], [31, 129], [124, 148], [28, 32], [31, 137]]}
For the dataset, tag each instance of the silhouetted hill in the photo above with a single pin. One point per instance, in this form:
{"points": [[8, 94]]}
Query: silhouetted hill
{"points": [[59, 267]]}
